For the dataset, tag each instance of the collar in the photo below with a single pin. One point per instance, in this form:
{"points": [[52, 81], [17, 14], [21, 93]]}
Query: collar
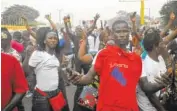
{"points": [[114, 48]]}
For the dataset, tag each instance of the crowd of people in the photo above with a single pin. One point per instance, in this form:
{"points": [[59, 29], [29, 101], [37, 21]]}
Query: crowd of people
{"points": [[115, 68]]}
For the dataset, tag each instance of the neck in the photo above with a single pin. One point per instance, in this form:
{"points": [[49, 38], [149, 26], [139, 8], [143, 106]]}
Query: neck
{"points": [[123, 47], [7, 48], [153, 55], [49, 50]]}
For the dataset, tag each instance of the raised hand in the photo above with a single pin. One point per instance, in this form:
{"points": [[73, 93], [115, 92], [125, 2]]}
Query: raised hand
{"points": [[163, 79], [65, 19], [68, 17], [47, 17], [133, 17], [82, 33], [97, 16], [172, 16], [74, 76]]}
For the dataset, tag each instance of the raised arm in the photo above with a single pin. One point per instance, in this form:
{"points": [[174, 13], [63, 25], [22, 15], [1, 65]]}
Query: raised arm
{"points": [[54, 27], [101, 25], [68, 31], [170, 37], [170, 22], [94, 24], [86, 58], [33, 34], [134, 28]]}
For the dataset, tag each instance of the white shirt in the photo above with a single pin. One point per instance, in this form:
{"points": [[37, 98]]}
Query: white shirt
{"points": [[151, 69], [46, 70], [142, 99], [93, 46]]}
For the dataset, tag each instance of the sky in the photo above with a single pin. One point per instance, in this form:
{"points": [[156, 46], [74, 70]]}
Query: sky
{"points": [[86, 9]]}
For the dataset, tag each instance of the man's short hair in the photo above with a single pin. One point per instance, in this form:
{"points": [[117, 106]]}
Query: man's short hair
{"points": [[119, 24], [151, 38], [17, 35]]}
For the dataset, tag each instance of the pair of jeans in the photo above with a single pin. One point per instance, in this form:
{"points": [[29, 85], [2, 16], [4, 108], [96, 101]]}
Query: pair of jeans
{"points": [[41, 103]]}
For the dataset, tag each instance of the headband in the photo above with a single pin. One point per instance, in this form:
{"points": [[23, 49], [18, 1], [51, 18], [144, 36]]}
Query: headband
{"points": [[51, 34]]}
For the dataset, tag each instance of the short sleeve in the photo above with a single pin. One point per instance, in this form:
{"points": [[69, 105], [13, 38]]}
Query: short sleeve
{"points": [[35, 58], [143, 74], [98, 62], [20, 84]]}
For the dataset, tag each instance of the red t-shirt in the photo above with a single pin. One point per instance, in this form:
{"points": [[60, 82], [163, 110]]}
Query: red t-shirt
{"points": [[17, 46], [119, 75], [12, 77]]}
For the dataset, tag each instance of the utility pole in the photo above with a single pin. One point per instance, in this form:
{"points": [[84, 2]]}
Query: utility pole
{"points": [[60, 10]]}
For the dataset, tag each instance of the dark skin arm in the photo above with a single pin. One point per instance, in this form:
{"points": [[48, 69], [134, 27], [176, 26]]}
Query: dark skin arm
{"points": [[86, 58], [69, 33], [101, 25], [33, 34], [170, 37], [54, 27], [94, 24], [149, 88], [170, 22], [134, 28], [25, 65], [77, 78], [155, 101], [14, 101]]}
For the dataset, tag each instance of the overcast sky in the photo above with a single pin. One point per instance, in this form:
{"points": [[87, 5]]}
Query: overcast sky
{"points": [[86, 9]]}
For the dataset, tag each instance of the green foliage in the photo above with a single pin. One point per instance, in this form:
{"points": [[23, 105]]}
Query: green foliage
{"points": [[13, 14]]}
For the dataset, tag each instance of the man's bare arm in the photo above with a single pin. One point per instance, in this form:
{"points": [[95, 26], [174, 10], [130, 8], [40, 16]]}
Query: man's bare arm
{"points": [[77, 78], [89, 77], [14, 101], [69, 33], [149, 88], [33, 34], [170, 22], [93, 26]]}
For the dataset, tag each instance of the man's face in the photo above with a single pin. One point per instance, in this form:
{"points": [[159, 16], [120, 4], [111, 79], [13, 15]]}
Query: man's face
{"points": [[121, 36]]}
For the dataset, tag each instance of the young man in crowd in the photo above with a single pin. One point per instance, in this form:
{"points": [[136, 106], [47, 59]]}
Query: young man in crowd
{"points": [[16, 42], [14, 85], [153, 66], [79, 65], [117, 77], [6, 39]]}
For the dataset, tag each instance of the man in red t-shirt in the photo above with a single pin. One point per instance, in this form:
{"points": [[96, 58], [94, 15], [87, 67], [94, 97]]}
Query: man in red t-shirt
{"points": [[15, 43], [14, 84], [119, 72]]}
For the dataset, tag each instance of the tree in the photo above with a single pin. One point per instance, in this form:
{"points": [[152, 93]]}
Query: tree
{"points": [[166, 10], [13, 14]]}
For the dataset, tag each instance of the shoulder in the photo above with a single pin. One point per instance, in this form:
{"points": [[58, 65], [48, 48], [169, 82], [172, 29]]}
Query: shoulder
{"points": [[101, 53], [135, 56], [38, 53], [7, 57]]}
